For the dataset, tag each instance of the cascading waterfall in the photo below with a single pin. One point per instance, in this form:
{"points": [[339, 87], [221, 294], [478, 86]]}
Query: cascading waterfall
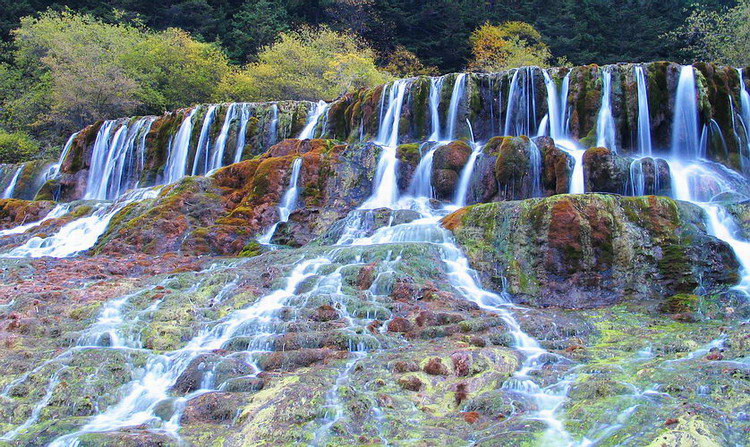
{"points": [[436, 89], [421, 182], [242, 133], [557, 110], [385, 188], [288, 202], [58, 211], [179, 149], [685, 138], [637, 178], [161, 372], [459, 200], [520, 117], [459, 89], [744, 120], [117, 158], [220, 145], [557, 107], [203, 150], [81, 234], [64, 154], [273, 127], [644, 121], [8, 193], [428, 230], [312, 120], [535, 169], [605, 123]]}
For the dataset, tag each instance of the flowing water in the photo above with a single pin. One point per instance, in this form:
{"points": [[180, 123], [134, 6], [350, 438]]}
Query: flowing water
{"points": [[605, 123], [520, 117], [179, 150], [686, 141], [8, 192], [220, 146], [312, 120], [288, 202], [203, 150], [436, 90], [386, 187], [81, 234], [58, 211], [117, 158], [257, 323], [242, 133], [459, 89], [644, 118], [557, 107]]}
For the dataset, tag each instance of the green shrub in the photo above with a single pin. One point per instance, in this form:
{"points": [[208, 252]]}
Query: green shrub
{"points": [[17, 147]]}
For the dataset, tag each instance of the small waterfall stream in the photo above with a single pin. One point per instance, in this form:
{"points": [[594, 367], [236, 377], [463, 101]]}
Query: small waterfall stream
{"points": [[202, 159], [179, 148], [644, 119], [520, 117], [605, 123], [288, 202], [312, 120], [686, 140], [8, 193], [81, 234], [459, 89], [436, 89]]}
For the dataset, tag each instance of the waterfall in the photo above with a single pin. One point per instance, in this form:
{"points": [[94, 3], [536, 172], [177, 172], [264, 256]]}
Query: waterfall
{"points": [[58, 211], [8, 193], [557, 122], [242, 133], [385, 187], [203, 150], [221, 141], [464, 179], [459, 88], [577, 183], [389, 123], [427, 230], [557, 107], [685, 139], [535, 169], [605, 123], [179, 148], [637, 178], [288, 202], [744, 117], [273, 127], [436, 89], [520, 118], [117, 158], [312, 120], [644, 121], [421, 182], [161, 371], [64, 154], [81, 234]]}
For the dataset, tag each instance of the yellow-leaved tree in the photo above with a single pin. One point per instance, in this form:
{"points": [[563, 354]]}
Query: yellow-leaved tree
{"points": [[509, 45], [310, 63]]}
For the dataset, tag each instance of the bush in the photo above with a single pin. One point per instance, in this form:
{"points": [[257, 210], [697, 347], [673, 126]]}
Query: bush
{"points": [[312, 64], [17, 147]]}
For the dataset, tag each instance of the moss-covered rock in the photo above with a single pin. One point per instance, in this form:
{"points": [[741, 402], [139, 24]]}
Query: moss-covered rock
{"points": [[591, 250]]}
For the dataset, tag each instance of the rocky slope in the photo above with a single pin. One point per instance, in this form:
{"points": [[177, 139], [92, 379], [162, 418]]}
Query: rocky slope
{"points": [[530, 317]]}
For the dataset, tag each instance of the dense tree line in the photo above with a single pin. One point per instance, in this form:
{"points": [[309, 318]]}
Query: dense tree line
{"points": [[67, 63], [437, 31]]}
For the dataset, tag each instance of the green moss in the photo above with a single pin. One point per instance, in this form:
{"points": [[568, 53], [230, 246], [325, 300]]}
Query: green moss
{"points": [[251, 249]]}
